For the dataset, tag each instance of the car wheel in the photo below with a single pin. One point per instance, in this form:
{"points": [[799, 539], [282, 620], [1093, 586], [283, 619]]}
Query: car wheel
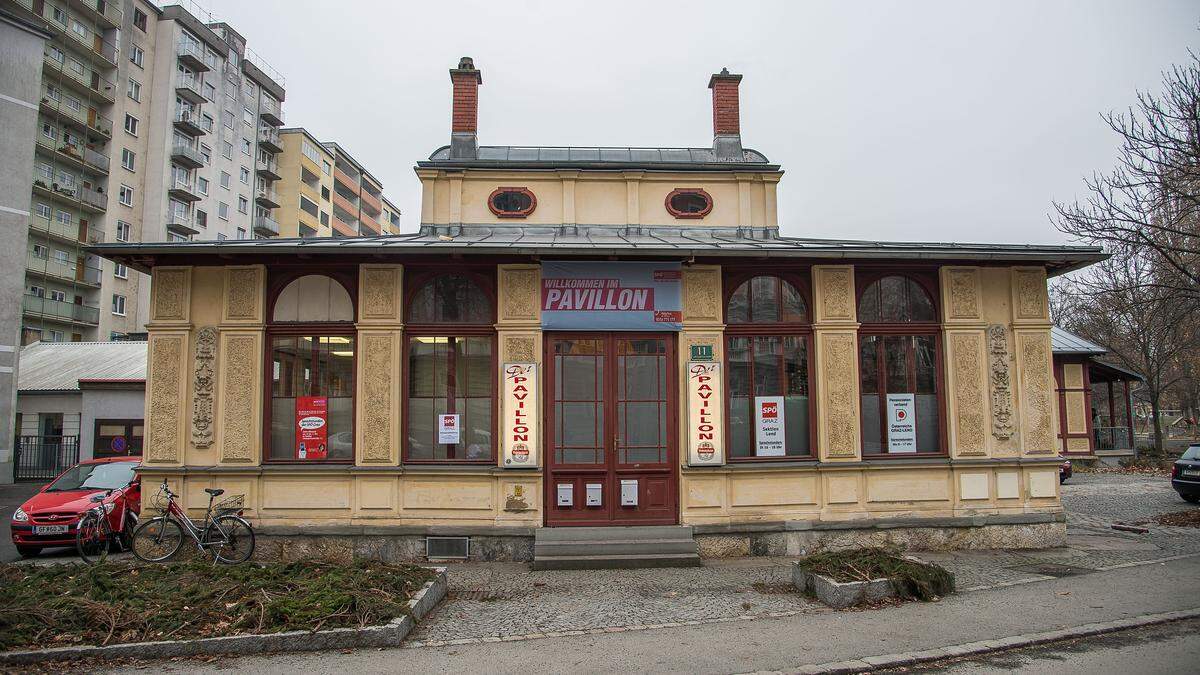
{"points": [[29, 551]]}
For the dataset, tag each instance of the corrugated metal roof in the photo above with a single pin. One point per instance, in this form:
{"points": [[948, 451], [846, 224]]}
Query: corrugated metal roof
{"points": [[512, 156], [59, 366], [594, 240], [1065, 342]]}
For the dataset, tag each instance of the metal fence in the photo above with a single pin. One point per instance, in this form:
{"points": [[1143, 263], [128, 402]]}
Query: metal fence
{"points": [[1112, 438], [44, 457]]}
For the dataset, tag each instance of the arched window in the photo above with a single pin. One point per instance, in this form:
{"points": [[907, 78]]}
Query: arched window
{"points": [[900, 367], [767, 347], [311, 341], [450, 347]]}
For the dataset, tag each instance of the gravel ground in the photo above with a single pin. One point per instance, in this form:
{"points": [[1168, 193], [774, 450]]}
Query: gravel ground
{"points": [[1120, 497]]}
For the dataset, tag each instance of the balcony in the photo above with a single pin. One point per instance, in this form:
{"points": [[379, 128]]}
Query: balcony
{"points": [[266, 226], [180, 222], [344, 204], [186, 155], [183, 189], [266, 197], [81, 156], [370, 203], [188, 88], [74, 233], [86, 118], [106, 13], [90, 200], [268, 139], [89, 84], [368, 227], [268, 168], [34, 305], [188, 121], [93, 200], [342, 228], [64, 270], [272, 112], [191, 55], [347, 181]]}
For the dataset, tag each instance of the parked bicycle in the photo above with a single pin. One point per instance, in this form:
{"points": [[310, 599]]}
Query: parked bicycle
{"points": [[224, 533], [95, 536]]}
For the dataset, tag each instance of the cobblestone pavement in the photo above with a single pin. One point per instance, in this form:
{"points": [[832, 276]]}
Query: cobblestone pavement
{"points": [[507, 601]]}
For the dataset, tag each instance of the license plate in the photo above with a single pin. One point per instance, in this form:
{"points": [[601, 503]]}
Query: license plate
{"points": [[49, 529], [1192, 473]]}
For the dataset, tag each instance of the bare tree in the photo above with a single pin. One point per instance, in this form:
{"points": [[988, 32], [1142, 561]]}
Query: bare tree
{"points": [[1150, 203], [1124, 304]]}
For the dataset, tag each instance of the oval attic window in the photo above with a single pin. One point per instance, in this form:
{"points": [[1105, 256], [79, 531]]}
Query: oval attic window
{"points": [[512, 202], [689, 203]]}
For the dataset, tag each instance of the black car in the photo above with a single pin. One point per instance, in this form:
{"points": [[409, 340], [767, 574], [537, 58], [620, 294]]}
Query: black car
{"points": [[1185, 475]]}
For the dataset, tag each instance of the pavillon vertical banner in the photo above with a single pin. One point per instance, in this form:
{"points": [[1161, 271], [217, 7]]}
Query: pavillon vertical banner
{"points": [[704, 414], [612, 296], [519, 410]]}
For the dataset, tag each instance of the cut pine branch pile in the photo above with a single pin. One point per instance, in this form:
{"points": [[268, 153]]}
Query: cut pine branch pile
{"points": [[911, 579], [67, 605]]}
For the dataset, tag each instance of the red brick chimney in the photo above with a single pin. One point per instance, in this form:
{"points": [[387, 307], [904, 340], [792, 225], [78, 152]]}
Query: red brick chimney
{"points": [[464, 114], [727, 134]]}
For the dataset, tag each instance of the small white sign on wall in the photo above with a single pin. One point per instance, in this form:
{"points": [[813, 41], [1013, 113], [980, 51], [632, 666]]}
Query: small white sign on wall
{"points": [[448, 429], [902, 423], [768, 424]]}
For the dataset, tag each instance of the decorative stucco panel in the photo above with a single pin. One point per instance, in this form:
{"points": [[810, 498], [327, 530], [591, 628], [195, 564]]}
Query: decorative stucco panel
{"points": [[839, 378], [379, 293], [1029, 291], [378, 406], [969, 398], [519, 349], [519, 293], [1037, 409], [164, 406], [835, 287], [171, 290], [1001, 382], [702, 294], [963, 293], [240, 354], [203, 381], [244, 290]]}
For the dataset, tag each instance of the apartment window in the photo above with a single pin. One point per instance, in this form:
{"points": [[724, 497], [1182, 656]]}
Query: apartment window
{"points": [[118, 304], [137, 55], [56, 336], [223, 211], [201, 218], [76, 66], [55, 54], [43, 211], [125, 195], [135, 90], [244, 175], [241, 233], [243, 204], [202, 185], [326, 167], [60, 296], [324, 193], [308, 206], [207, 122], [127, 158], [310, 151], [64, 217], [225, 177], [227, 119], [227, 149], [251, 90], [172, 236], [139, 19], [210, 92], [123, 229], [247, 116], [120, 271], [73, 103], [206, 151], [61, 255], [80, 29], [50, 131], [221, 237], [41, 251], [45, 171], [324, 218], [131, 124], [246, 147], [37, 291]]}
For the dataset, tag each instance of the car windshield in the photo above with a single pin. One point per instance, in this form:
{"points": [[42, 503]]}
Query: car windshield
{"points": [[112, 476], [1192, 452]]}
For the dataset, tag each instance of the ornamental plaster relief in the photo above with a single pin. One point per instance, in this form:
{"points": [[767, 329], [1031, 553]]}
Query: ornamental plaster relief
{"points": [[963, 301], [171, 290], [164, 408], [244, 294], [380, 291], [519, 294], [835, 285], [1029, 295], [1037, 409], [838, 377], [240, 354], [702, 293], [519, 349], [1001, 382], [202, 387], [969, 399], [379, 398]]}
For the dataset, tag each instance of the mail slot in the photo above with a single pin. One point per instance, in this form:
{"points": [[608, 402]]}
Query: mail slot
{"points": [[629, 490], [594, 492], [566, 494]]}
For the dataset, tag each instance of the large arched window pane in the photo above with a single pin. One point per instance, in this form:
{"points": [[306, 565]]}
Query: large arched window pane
{"points": [[766, 299], [895, 299], [313, 298], [450, 298]]}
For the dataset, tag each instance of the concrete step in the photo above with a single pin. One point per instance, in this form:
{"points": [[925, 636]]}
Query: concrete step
{"points": [[604, 561], [613, 547], [606, 533]]}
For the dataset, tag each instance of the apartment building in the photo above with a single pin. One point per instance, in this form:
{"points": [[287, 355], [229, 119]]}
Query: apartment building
{"points": [[154, 124], [325, 192]]}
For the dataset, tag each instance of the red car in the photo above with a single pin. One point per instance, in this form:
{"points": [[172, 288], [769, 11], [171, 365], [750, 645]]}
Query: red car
{"points": [[48, 518]]}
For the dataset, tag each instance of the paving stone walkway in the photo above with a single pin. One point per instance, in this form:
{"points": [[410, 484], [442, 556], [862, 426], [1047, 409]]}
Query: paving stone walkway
{"points": [[490, 602]]}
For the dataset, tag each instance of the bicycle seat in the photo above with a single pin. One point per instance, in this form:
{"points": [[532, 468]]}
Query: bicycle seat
{"points": [[214, 491]]}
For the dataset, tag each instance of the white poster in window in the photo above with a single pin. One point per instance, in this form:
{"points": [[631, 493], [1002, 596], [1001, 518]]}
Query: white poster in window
{"points": [[902, 423], [768, 418], [448, 429], [518, 405]]}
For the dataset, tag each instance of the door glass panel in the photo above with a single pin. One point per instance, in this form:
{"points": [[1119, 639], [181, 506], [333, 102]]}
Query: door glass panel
{"points": [[579, 402], [641, 401]]}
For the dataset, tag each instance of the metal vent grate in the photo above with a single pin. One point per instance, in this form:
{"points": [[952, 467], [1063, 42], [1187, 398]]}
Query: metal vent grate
{"points": [[441, 548]]}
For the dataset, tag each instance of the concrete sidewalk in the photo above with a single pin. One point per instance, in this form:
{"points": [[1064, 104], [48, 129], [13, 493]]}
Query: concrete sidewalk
{"points": [[785, 643]]}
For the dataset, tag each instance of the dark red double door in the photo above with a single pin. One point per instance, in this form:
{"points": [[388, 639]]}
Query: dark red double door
{"points": [[610, 411]]}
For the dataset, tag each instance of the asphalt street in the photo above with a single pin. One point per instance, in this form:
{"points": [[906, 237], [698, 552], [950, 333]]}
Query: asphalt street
{"points": [[11, 496]]}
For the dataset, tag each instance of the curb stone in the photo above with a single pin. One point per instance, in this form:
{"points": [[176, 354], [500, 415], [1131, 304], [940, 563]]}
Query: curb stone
{"points": [[390, 634], [886, 661]]}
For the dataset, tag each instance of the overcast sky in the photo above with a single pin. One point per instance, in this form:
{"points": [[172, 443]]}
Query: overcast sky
{"points": [[935, 121]]}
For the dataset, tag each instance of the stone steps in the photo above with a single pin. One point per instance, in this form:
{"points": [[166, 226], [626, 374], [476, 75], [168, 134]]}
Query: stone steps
{"points": [[614, 547]]}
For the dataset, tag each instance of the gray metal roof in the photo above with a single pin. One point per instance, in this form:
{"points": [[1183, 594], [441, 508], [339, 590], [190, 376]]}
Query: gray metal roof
{"points": [[59, 366], [1065, 342], [512, 156], [604, 240]]}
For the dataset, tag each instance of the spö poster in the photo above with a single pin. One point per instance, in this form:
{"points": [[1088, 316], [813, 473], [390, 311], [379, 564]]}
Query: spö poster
{"points": [[312, 427]]}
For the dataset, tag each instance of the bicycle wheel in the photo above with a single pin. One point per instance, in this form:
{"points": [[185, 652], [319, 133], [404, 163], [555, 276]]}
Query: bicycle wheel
{"points": [[91, 538], [230, 538], [157, 539]]}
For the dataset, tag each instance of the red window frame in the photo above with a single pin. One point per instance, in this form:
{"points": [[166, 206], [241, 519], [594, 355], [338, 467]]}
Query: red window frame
{"points": [[927, 281], [415, 280], [523, 213], [348, 278], [781, 329], [688, 191]]}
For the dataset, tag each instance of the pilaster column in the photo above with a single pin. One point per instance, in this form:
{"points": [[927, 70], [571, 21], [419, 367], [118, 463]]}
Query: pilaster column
{"points": [[964, 340], [377, 380], [1034, 368], [835, 357], [166, 365], [519, 335], [240, 365], [633, 209], [703, 327]]}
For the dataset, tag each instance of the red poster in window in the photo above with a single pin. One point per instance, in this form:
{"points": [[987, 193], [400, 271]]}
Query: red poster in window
{"points": [[312, 427]]}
